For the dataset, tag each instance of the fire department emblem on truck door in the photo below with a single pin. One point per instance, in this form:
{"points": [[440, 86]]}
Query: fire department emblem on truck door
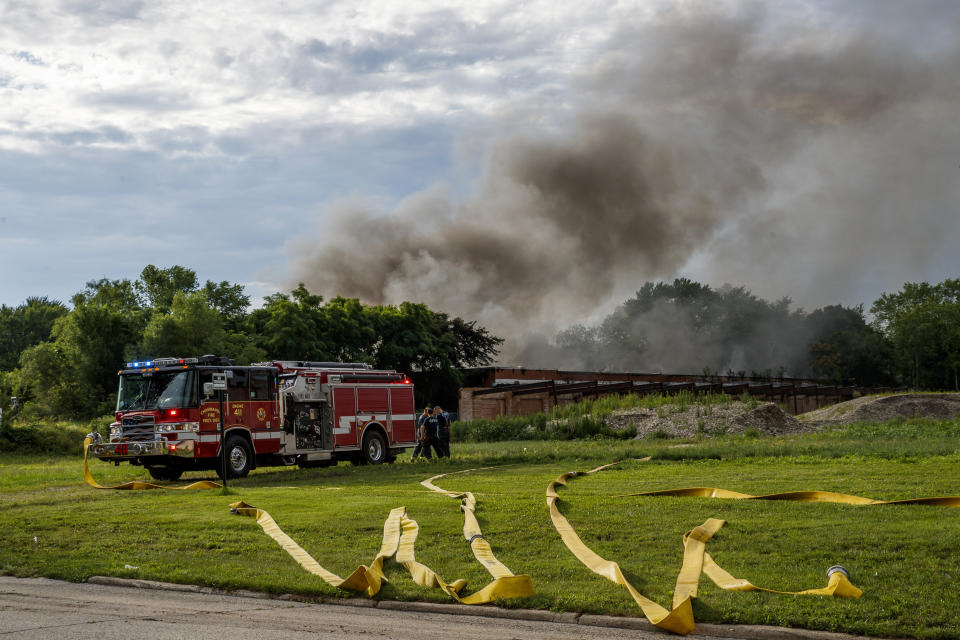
{"points": [[261, 414]]}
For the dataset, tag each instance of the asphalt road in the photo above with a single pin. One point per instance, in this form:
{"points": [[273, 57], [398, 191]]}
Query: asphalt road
{"points": [[41, 608]]}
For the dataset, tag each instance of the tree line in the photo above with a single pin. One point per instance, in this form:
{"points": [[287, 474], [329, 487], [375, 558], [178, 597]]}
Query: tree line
{"points": [[62, 362], [910, 338]]}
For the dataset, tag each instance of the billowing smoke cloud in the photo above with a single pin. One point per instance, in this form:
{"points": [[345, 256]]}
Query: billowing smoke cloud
{"points": [[794, 156]]}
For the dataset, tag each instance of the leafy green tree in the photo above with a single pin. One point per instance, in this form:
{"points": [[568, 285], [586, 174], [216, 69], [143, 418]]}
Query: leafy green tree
{"points": [[229, 300], [26, 325], [121, 295], [162, 313], [91, 341], [192, 327], [409, 337], [288, 327], [9, 388], [922, 321], [159, 286], [347, 331], [465, 343], [195, 327], [845, 349]]}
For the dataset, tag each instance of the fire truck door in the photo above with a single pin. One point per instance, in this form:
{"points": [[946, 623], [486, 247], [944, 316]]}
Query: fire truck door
{"points": [[345, 416], [238, 397]]}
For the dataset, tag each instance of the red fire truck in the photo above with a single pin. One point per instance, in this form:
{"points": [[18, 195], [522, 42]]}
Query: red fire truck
{"points": [[274, 413]]}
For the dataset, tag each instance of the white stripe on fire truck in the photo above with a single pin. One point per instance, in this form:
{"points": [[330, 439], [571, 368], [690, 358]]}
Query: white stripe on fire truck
{"points": [[345, 423], [256, 436]]}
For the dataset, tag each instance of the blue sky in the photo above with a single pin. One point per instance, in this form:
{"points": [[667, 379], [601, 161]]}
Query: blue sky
{"points": [[241, 140]]}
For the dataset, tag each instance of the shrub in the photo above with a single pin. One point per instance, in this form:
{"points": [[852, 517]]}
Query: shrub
{"points": [[50, 438]]}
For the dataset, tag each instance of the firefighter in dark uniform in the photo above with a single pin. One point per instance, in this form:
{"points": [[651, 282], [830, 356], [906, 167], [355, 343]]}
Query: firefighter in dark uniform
{"points": [[423, 435], [443, 431]]}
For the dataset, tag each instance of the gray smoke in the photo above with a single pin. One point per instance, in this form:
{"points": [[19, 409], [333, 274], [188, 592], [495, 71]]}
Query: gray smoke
{"points": [[792, 156]]}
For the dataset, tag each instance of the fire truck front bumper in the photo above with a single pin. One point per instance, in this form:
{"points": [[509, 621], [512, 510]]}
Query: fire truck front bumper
{"points": [[134, 449]]}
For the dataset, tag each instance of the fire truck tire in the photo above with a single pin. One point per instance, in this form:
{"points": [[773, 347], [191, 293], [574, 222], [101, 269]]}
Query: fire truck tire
{"points": [[374, 448], [239, 457], [165, 473]]}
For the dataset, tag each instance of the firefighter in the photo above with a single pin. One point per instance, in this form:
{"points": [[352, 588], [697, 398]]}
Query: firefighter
{"points": [[423, 435], [443, 431]]}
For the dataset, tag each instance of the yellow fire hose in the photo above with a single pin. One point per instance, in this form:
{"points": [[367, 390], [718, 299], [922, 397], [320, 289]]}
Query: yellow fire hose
{"points": [[399, 537], [137, 484], [696, 560], [400, 534]]}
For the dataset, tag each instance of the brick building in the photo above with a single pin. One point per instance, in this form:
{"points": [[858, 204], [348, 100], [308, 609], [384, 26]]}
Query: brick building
{"points": [[489, 392]]}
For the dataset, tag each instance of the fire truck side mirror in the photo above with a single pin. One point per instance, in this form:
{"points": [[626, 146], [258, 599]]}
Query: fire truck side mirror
{"points": [[207, 389]]}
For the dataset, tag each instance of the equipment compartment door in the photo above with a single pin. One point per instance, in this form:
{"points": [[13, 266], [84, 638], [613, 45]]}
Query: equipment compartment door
{"points": [[345, 416], [372, 406], [403, 415]]}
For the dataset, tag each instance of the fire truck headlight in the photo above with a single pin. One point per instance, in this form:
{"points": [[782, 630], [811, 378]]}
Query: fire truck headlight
{"points": [[115, 431], [178, 426]]}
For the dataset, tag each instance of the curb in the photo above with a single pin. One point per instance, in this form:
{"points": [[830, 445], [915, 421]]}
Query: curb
{"points": [[749, 632]]}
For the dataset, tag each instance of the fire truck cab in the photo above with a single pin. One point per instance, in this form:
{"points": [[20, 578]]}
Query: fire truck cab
{"points": [[274, 413]]}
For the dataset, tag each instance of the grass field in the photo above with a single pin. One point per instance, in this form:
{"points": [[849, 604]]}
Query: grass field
{"points": [[903, 557]]}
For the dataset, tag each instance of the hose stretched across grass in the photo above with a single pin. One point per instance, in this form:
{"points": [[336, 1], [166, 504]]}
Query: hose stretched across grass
{"points": [[679, 619], [399, 538]]}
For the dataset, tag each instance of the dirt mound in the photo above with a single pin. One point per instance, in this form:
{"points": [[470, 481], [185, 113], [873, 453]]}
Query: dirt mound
{"points": [[937, 406], [676, 421]]}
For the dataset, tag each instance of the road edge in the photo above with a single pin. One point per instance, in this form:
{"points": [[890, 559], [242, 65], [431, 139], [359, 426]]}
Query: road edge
{"points": [[750, 632]]}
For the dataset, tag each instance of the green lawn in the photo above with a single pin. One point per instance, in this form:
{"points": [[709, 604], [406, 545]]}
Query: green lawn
{"points": [[903, 557]]}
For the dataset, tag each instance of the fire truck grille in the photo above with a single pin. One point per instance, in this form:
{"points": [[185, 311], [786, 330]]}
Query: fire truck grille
{"points": [[138, 428]]}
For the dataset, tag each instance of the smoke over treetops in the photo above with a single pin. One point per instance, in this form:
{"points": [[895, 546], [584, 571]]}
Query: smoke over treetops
{"points": [[796, 157]]}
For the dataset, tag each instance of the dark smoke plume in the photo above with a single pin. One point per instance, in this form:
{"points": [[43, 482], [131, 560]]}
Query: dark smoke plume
{"points": [[792, 156]]}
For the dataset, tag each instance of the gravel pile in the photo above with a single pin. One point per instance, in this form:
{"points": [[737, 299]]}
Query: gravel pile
{"points": [[674, 421], [937, 406]]}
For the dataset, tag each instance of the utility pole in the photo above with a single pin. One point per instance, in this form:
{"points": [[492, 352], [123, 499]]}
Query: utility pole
{"points": [[220, 385]]}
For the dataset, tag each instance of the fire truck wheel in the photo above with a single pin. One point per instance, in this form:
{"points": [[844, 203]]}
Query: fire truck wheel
{"points": [[239, 457], [374, 448], [165, 473]]}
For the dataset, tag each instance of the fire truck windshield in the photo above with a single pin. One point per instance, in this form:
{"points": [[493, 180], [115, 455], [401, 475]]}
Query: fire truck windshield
{"points": [[157, 390]]}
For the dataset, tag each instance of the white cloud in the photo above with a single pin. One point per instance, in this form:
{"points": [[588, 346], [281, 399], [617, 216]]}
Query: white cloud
{"points": [[211, 135], [143, 67]]}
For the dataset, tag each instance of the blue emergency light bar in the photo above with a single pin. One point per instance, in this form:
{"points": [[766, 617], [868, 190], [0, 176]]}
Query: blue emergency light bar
{"points": [[161, 362]]}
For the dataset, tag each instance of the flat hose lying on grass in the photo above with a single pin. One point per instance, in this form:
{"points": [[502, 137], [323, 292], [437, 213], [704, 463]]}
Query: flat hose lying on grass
{"points": [[696, 560], [399, 537], [135, 485]]}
